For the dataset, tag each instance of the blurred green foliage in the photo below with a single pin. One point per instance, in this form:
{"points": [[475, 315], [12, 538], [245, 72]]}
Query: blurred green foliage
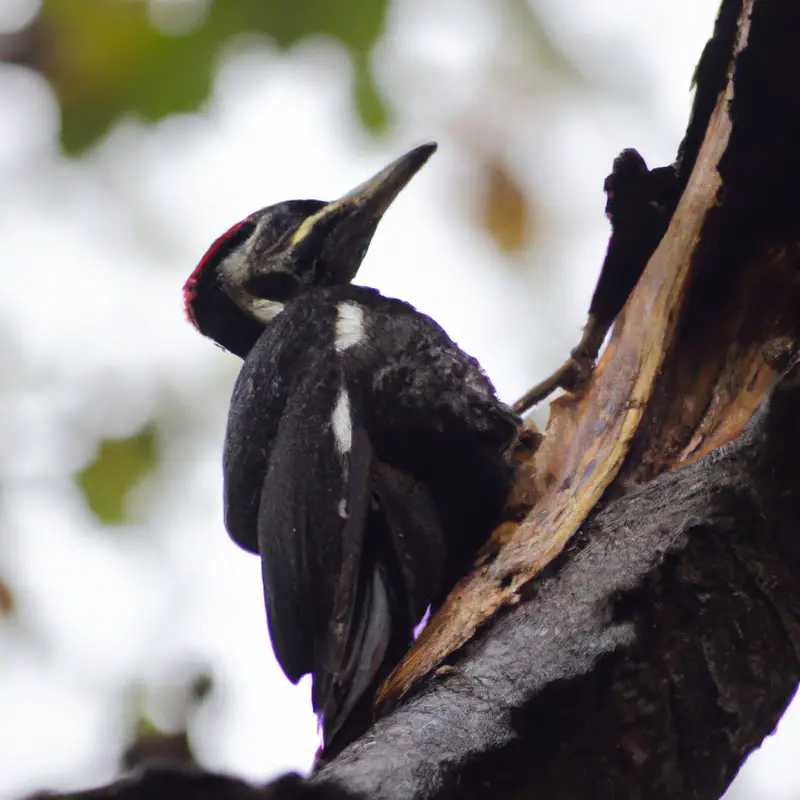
{"points": [[118, 466], [106, 58]]}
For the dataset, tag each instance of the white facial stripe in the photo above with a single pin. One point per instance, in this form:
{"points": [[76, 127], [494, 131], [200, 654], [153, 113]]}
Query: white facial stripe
{"points": [[307, 224], [350, 329], [264, 310], [257, 307], [342, 423], [234, 267]]}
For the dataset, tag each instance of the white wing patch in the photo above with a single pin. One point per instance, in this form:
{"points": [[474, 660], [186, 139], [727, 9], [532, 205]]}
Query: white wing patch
{"points": [[342, 423], [350, 329]]}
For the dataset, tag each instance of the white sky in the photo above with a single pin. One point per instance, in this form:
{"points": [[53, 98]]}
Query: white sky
{"points": [[94, 343]]}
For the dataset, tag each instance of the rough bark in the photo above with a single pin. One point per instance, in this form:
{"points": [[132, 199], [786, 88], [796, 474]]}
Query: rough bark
{"points": [[638, 634], [655, 654]]}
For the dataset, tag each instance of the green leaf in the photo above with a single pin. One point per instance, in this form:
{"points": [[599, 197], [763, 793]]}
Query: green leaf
{"points": [[105, 59], [371, 108], [120, 464]]}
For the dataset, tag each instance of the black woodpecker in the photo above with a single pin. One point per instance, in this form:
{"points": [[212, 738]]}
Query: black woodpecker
{"points": [[366, 458]]}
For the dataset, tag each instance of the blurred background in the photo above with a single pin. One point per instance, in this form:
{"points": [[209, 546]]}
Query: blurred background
{"points": [[132, 133]]}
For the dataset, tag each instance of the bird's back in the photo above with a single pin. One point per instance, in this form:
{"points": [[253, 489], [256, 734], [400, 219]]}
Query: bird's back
{"points": [[366, 460]]}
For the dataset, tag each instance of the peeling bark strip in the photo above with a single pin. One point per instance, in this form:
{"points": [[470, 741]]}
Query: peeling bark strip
{"points": [[589, 434], [643, 645]]}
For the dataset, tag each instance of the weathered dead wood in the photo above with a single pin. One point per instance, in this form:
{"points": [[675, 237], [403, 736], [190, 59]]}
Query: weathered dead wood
{"points": [[590, 434], [651, 658], [713, 318]]}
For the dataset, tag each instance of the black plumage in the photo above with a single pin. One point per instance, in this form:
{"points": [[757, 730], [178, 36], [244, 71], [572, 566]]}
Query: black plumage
{"points": [[366, 456], [367, 479]]}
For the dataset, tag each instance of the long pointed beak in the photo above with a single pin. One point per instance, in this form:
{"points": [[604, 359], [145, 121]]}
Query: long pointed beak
{"points": [[347, 224], [376, 195]]}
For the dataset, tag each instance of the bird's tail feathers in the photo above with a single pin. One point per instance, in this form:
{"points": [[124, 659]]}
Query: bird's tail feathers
{"points": [[366, 653]]}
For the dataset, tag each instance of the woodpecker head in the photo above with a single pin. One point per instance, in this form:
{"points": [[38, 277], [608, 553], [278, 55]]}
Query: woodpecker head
{"points": [[249, 273]]}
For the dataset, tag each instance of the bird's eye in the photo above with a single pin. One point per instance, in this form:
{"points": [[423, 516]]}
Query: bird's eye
{"points": [[273, 286]]}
